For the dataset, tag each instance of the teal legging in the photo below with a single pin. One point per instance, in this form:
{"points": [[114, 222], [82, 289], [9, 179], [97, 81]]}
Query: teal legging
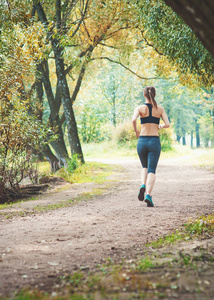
{"points": [[148, 149]]}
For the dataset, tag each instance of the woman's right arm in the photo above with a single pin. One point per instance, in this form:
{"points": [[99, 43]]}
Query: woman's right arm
{"points": [[165, 119]]}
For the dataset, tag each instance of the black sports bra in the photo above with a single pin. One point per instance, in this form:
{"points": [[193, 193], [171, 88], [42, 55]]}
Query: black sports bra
{"points": [[150, 118]]}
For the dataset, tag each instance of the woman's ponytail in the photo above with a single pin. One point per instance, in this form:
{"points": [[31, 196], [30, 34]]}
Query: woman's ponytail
{"points": [[149, 93]]}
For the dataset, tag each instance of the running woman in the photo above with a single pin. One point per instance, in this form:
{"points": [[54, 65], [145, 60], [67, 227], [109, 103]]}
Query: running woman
{"points": [[148, 146]]}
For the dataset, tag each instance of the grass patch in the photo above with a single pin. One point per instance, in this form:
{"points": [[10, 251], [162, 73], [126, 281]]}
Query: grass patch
{"points": [[204, 225], [88, 172], [108, 149], [145, 264], [11, 204], [44, 167]]}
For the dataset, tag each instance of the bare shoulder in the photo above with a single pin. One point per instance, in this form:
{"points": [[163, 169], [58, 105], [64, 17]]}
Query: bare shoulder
{"points": [[160, 109], [142, 107]]}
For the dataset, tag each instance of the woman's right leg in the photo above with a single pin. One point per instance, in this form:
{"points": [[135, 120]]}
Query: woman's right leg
{"points": [[150, 183]]}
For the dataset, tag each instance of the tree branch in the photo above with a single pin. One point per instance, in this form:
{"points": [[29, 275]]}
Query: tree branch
{"points": [[109, 46], [125, 67], [147, 43], [79, 81], [58, 14]]}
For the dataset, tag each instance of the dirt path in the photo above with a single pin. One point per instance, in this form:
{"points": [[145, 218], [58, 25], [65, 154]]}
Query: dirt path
{"points": [[36, 249]]}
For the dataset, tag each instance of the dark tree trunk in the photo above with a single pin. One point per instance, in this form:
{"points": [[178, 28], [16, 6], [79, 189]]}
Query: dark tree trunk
{"points": [[54, 162], [178, 137], [114, 110], [46, 152], [191, 138], [40, 94], [59, 144], [198, 14], [184, 140], [66, 100], [197, 134]]}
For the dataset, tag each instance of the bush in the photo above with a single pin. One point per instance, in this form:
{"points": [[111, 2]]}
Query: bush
{"points": [[20, 136], [73, 163], [124, 134], [166, 139]]}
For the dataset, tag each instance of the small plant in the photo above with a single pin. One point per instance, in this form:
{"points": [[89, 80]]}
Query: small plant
{"points": [[73, 163], [76, 278], [145, 264]]}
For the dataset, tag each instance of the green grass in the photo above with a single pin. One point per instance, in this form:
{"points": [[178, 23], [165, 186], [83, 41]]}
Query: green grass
{"points": [[44, 167], [88, 172], [108, 149], [145, 264], [192, 229], [202, 157]]}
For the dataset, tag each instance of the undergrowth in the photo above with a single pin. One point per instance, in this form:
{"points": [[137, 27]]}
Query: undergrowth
{"points": [[193, 229]]}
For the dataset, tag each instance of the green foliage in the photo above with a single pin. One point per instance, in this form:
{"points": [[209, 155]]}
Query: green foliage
{"points": [[192, 229], [73, 163], [88, 172], [207, 129], [169, 34], [75, 279], [200, 225], [92, 125], [125, 135], [166, 139], [145, 264], [21, 137]]}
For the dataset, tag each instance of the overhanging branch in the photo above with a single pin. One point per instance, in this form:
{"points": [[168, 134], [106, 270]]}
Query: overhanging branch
{"points": [[125, 67], [147, 43]]}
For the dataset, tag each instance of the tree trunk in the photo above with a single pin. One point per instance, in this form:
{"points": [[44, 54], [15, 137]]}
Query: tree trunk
{"points": [[198, 14], [197, 134], [114, 109], [184, 140], [54, 162], [191, 138], [67, 105], [59, 144]]}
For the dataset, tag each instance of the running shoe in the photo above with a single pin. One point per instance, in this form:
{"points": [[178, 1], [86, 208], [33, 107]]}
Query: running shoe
{"points": [[141, 192], [148, 200]]}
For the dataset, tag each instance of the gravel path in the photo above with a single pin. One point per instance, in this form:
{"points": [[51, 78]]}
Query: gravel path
{"points": [[36, 249]]}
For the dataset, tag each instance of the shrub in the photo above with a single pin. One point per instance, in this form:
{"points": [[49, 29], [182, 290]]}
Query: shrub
{"points": [[20, 136], [73, 163], [166, 139], [124, 134]]}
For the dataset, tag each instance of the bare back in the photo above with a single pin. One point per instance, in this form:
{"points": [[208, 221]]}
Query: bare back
{"points": [[150, 129]]}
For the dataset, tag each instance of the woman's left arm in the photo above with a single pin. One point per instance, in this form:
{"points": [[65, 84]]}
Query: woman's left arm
{"points": [[165, 119], [134, 121]]}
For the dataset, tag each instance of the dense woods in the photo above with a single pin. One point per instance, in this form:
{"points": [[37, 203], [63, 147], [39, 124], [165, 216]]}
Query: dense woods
{"points": [[72, 71]]}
